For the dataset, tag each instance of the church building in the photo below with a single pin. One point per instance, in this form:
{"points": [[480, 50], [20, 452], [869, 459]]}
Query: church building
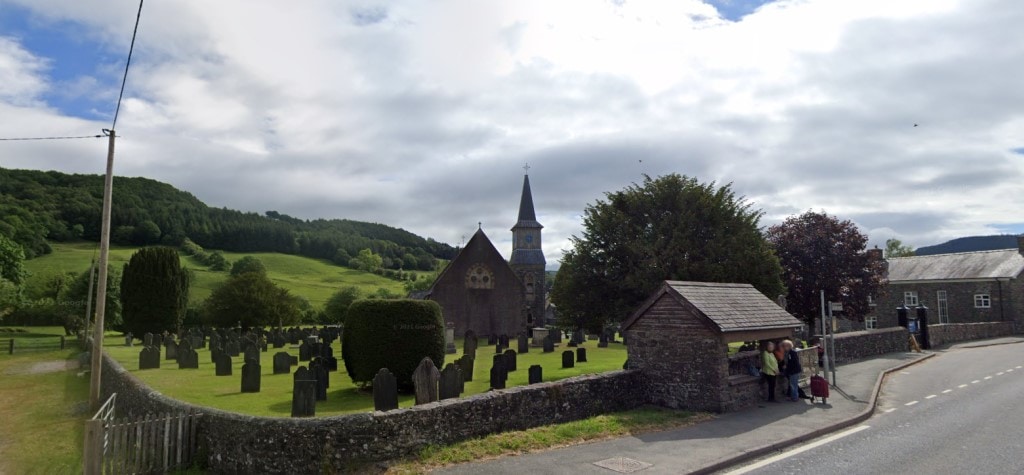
{"points": [[482, 292]]}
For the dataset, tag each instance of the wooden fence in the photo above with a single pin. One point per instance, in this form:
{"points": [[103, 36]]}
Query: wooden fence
{"points": [[12, 345], [154, 444]]}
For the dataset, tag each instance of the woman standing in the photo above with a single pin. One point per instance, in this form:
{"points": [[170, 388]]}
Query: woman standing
{"points": [[769, 368], [793, 370]]}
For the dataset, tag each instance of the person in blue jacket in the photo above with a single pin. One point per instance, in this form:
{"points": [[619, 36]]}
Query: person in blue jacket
{"points": [[792, 370]]}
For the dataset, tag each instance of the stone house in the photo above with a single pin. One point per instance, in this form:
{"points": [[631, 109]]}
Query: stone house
{"points": [[965, 287], [680, 339], [480, 291]]}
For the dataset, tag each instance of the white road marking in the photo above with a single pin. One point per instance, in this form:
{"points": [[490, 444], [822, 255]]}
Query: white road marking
{"points": [[1018, 367], [962, 386], [911, 403], [890, 410], [768, 461], [999, 373], [975, 381], [929, 397], [1009, 370], [904, 372], [949, 391], [988, 377]]}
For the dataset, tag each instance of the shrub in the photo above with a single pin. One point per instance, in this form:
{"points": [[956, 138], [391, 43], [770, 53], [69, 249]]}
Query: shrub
{"points": [[392, 334]]}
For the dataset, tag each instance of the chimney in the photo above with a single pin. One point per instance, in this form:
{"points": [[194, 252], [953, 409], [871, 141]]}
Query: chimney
{"points": [[876, 254], [1020, 244]]}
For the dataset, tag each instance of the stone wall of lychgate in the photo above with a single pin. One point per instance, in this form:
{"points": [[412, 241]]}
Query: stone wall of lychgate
{"points": [[236, 443]]}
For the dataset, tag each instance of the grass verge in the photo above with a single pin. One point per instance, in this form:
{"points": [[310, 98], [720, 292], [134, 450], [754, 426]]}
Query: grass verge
{"points": [[605, 426]]}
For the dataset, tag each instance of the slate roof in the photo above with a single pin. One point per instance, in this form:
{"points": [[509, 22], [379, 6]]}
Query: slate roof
{"points": [[981, 265], [527, 216], [731, 307], [527, 257]]}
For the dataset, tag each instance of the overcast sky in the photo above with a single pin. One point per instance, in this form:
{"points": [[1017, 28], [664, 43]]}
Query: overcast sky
{"points": [[422, 114]]}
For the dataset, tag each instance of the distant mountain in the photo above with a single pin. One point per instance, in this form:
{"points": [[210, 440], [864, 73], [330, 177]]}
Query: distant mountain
{"points": [[971, 244], [37, 207]]}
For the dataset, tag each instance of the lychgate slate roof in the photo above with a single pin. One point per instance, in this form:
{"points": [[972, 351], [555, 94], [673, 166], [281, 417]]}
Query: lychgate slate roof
{"points": [[731, 307], [981, 265]]}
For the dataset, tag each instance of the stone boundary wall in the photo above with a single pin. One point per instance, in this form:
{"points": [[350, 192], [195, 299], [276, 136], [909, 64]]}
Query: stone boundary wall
{"points": [[853, 346], [954, 332], [237, 443]]}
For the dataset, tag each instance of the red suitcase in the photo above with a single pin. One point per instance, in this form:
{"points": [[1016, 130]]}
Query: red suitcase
{"points": [[819, 388]]}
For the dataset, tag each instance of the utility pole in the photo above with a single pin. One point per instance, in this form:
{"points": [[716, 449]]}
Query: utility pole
{"points": [[824, 338], [101, 284], [88, 300]]}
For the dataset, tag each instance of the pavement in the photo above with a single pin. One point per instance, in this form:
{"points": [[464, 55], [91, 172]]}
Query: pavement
{"points": [[725, 440]]}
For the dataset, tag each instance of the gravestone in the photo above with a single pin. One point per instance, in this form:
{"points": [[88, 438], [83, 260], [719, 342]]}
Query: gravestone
{"points": [[524, 343], [568, 359], [128, 340], [305, 351], [331, 363], [499, 373], [602, 341], [251, 377], [282, 363], [303, 393], [252, 353], [326, 351], [581, 355], [187, 357], [319, 371], [449, 339], [469, 343], [424, 379], [223, 365], [451, 383], [558, 335], [295, 360], [279, 341], [498, 348], [572, 343], [510, 360], [170, 350], [539, 336], [149, 357], [232, 348], [158, 340], [466, 364], [492, 339], [216, 341], [385, 391], [536, 374], [578, 336], [503, 340], [147, 339], [549, 344]]}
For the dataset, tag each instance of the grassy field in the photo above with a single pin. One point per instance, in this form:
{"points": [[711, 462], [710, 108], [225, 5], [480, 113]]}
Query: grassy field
{"points": [[202, 387], [43, 411], [314, 279]]}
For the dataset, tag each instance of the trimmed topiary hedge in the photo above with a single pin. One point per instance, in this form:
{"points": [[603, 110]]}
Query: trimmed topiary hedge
{"points": [[392, 334]]}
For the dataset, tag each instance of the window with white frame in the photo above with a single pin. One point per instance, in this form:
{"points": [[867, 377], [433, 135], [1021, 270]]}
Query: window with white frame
{"points": [[910, 298], [943, 307], [871, 322], [982, 301], [871, 301]]}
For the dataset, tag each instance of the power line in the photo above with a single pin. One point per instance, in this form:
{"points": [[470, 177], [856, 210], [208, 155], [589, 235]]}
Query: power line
{"points": [[52, 138], [124, 79]]}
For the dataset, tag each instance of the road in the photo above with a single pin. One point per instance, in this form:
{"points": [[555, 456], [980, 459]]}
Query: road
{"points": [[959, 412]]}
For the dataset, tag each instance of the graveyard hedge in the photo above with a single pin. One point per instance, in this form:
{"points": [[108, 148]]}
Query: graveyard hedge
{"points": [[392, 334]]}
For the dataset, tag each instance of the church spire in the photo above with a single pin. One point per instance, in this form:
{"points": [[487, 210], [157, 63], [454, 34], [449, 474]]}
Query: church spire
{"points": [[527, 216]]}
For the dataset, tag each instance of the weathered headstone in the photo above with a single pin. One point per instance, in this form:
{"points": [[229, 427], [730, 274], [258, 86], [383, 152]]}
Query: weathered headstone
{"points": [[424, 379], [158, 340], [251, 377], [581, 355], [282, 363], [305, 351], [187, 357], [279, 341], [572, 343], [128, 340], [602, 341], [503, 340], [539, 335], [469, 343], [524, 343], [319, 371], [510, 360], [326, 351], [451, 382], [385, 391], [331, 363], [536, 374], [449, 339], [466, 364], [492, 339], [147, 339], [170, 349], [223, 365], [498, 348], [303, 393], [549, 344], [499, 373], [232, 348], [568, 360], [578, 336], [252, 353], [149, 357]]}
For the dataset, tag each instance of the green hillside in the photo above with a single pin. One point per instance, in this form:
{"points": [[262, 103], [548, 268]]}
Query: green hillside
{"points": [[313, 279]]}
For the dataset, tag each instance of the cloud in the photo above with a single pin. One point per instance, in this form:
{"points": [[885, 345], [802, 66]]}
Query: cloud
{"points": [[422, 115]]}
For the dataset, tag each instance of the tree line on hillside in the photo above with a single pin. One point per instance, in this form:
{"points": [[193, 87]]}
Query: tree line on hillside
{"points": [[37, 207]]}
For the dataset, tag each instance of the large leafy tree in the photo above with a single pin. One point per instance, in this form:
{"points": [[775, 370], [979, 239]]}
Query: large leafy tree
{"points": [[12, 275], [154, 291], [76, 297], [248, 264], [337, 306], [895, 248], [253, 300], [670, 227], [820, 252]]}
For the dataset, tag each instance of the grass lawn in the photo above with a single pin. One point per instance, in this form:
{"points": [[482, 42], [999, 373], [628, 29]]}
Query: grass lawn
{"points": [[202, 387], [43, 412], [314, 279], [33, 338]]}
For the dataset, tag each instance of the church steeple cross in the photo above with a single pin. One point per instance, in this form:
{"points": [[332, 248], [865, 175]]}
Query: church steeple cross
{"points": [[526, 168]]}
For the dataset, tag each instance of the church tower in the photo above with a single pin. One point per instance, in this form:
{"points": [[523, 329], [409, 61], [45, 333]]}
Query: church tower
{"points": [[528, 258]]}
